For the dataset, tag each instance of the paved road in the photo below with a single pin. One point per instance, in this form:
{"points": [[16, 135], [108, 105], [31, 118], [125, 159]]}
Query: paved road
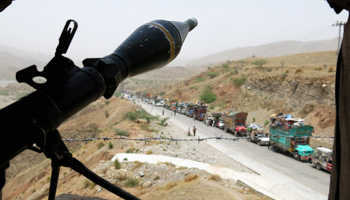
{"points": [[298, 177]]}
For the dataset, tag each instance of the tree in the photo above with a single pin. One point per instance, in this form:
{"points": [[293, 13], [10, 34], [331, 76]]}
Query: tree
{"points": [[208, 97], [259, 62], [212, 74], [282, 63]]}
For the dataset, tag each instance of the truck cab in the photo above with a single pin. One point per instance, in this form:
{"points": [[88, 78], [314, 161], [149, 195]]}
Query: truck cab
{"points": [[322, 159]]}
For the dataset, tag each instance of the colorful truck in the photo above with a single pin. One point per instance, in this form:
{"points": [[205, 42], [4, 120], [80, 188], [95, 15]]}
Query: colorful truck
{"points": [[235, 122], [294, 140], [322, 159], [189, 110], [199, 112]]}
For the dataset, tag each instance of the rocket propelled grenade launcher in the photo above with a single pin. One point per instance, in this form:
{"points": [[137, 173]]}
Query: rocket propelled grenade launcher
{"points": [[34, 119]]}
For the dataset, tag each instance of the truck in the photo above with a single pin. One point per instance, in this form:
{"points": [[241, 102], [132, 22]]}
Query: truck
{"points": [[199, 112], [259, 138], [138, 94], [294, 140], [169, 103], [235, 122], [322, 159], [189, 110]]}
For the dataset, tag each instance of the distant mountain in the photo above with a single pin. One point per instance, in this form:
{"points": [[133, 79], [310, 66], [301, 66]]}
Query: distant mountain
{"points": [[12, 60], [267, 50]]}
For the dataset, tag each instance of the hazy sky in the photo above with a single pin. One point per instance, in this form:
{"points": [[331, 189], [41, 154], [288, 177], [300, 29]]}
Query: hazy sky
{"points": [[35, 25]]}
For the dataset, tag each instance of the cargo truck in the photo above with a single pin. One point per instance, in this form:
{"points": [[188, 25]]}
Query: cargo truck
{"points": [[235, 122], [199, 111], [294, 140]]}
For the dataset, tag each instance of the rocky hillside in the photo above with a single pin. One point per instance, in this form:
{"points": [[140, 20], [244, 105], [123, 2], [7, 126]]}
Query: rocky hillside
{"points": [[303, 87]]}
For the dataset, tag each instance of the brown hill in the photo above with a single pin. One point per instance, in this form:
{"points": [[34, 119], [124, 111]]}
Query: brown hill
{"points": [[303, 87]]}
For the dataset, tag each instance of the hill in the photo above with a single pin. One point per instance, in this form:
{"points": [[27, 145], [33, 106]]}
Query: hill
{"points": [[303, 86], [267, 50]]}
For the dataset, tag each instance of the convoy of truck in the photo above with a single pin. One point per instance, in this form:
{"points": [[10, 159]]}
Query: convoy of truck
{"points": [[285, 134]]}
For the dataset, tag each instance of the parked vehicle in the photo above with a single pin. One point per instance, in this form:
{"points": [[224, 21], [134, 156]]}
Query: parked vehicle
{"points": [[199, 112], [235, 122], [220, 124], [189, 110], [259, 138], [293, 140], [208, 120], [322, 159]]}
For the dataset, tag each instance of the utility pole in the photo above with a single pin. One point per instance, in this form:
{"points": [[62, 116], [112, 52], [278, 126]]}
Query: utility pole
{"points": [[340, 24]]}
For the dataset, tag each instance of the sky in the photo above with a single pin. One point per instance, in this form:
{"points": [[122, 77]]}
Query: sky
{"points": [[35, 25]]}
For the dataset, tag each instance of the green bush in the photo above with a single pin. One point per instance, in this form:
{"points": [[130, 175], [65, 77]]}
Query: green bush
{"points": [[4, 93], [208, 97], [259, 62], [199, 79], [121, 132], [106, 114], [117, 94], [163, 121], [212, 74], [161, 93], [110, 145], [266, 122], [100, 145], [211, 106], [117, 164], [132, 182], [253, 119], [130, 116], [224, 65], [238, 82]]}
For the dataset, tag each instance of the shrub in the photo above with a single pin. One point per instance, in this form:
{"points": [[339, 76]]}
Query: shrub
{"points": [[191, 177], [318, 68], [132, 182], [130, 150], [284, 75], [299, 70], [266, 122], [121, 132], [170, 185], [287, 71], [331, 69], [100, 145], [117, 94], [117, 164], [253, 119], [215, 177], [107, 102], [162, 93], [89, 184], [163, 121], [269, 70], [208, 97], [238, 82], [4, 93], [110, 145], [149, 152], [212, 74], [199, 79], [211, 106], [106, 114], [259, 62], [130, 116]]}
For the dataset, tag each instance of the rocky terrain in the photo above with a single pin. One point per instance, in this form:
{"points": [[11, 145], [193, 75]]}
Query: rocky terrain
{"points": [[145, 180], [303, 87]]}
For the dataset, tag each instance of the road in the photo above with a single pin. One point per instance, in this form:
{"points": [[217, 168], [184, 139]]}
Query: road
{"points": [[281, 170]]}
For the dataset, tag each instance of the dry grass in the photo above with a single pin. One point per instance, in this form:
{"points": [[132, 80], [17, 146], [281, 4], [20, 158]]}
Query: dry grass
{"points": [[170, 185], [149, 152], [138, 164], [299, 70], [330, 69], [215, 177], [191, 177]]}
